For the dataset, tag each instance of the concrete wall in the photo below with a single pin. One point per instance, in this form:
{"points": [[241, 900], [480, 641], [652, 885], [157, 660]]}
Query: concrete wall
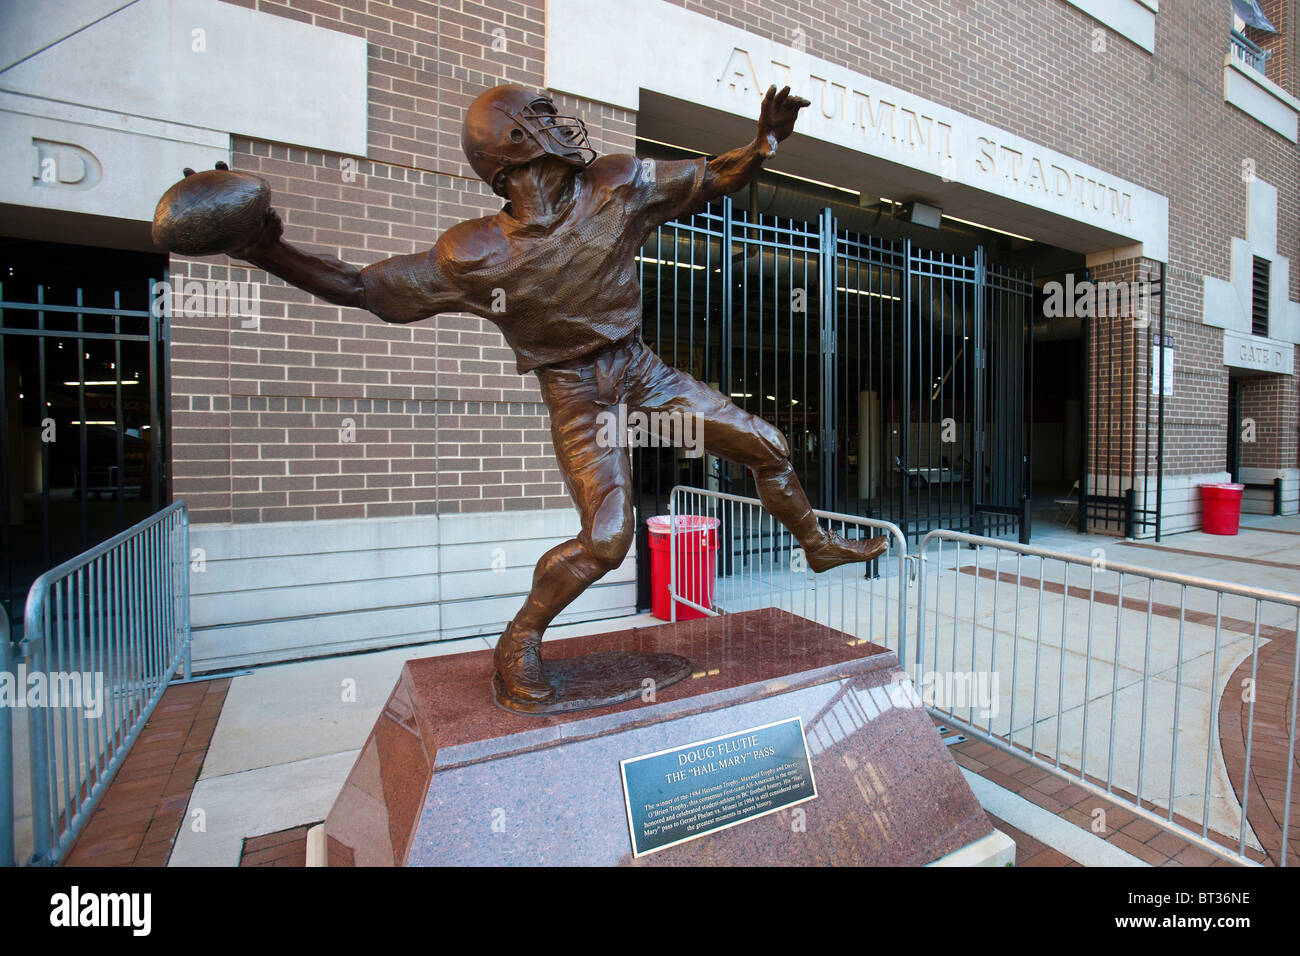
{"points": [[275, 591]]}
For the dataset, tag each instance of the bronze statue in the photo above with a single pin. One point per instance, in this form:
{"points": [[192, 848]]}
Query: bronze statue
{"points": [[555, 270]]}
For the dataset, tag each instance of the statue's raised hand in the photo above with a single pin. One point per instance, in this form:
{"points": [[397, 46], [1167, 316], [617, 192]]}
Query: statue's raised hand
{"points": [[777, 116]]}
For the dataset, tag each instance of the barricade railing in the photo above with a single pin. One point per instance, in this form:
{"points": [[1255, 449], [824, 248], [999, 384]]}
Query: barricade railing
{"points": [[1113, 676], [758, 563], [103, 634]]}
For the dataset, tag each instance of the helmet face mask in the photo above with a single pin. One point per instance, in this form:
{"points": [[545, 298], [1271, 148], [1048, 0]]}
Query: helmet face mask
{"points": [[561, 136], [510, 126]]}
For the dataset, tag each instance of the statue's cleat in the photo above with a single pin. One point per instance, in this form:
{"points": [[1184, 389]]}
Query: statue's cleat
{"points": [[518, 664], [837, 550]]}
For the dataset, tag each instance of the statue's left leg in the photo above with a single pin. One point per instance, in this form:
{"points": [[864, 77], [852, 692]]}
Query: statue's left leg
{"points": [[686, 407], [599, 478]]}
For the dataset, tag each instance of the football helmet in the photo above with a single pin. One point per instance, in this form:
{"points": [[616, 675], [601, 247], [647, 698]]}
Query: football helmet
{"points": [[510, 125]]}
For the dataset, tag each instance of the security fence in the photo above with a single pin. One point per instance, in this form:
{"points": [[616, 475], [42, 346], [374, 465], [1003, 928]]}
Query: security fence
{"points": [[764, 567], [1170, 695], [104, 633]]}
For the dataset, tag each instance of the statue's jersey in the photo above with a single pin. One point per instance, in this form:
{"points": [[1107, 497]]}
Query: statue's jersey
{"points": [[556, 292]]}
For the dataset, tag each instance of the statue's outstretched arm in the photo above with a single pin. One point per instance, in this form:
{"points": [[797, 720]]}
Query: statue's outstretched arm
{"points": [[672, 188], [322, 276], [733, 169], [399, 289]]}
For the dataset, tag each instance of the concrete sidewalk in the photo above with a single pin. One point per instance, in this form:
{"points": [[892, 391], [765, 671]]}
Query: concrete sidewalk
{"points": [[289, 734]]}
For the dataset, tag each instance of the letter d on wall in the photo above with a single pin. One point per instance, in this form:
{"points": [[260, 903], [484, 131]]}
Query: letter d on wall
{"points": [[65, 164]]}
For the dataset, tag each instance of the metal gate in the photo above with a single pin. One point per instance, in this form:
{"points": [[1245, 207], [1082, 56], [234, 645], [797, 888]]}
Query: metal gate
{"points": [[933, 363], [82, 372], [897, 374], [1128, 356]]}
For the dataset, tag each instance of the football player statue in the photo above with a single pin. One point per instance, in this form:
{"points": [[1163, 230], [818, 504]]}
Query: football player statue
{"points": [[555, 269]]}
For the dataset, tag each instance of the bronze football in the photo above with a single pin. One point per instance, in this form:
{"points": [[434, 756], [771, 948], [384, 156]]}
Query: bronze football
{"points": [[211, 213]]}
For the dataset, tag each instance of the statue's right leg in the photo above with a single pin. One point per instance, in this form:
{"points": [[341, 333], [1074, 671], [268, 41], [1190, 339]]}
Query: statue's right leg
{"points": [[600, 481]]}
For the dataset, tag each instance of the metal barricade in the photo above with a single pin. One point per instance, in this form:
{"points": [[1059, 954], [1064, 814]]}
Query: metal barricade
{"points": [[758, 563], [1112, 676], [104, 633]]}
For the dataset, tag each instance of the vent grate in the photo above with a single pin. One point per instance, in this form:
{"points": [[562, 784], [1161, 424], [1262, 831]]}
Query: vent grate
{"points": [[1259, 298]]}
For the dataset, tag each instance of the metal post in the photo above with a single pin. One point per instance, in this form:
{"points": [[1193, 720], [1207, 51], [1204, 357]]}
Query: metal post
{"points": [[1027, 424], [1130, 512], [904, 450], [1160, 413], [6, 752], [672, 556], [979, 366], [1277, 497], [829, 339], [185, 588], [34, 633], [1085, 413]]}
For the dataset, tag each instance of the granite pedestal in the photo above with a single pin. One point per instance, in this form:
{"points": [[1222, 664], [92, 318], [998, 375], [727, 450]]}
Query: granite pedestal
{"points": [[447, 777]]}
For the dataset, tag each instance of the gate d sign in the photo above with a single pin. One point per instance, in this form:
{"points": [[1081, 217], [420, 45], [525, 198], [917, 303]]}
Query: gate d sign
{"points": [[66, 165]]}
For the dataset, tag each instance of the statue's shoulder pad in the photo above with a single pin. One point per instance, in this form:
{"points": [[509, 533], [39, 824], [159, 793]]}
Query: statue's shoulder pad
{"points": [[613, 170], [468, 241]]}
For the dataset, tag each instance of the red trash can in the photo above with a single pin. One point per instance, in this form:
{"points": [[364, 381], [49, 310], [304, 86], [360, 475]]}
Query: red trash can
{"points": [[697, 547], [1221, 507]]}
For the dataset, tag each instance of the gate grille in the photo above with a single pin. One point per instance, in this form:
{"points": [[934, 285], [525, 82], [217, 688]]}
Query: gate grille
{"points": [[83, 373], [897, 374]]}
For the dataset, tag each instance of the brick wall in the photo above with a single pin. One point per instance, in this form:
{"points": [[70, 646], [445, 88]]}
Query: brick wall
{"points": [[1269, 414], [1196, 417], [1125, 414], [1118, 392], [442, 422], [1281, 68]]}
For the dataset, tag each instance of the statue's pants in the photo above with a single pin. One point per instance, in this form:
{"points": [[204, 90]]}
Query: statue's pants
{"points": [[584, 397]]}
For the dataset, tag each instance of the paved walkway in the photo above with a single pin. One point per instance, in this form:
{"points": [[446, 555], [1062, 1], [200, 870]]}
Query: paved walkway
{"points": [[1094, 819], [135, 823]]}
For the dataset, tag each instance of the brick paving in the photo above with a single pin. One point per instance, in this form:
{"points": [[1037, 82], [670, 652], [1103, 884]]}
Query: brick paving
{"points": [[136, 822], [1269, 746], [1119, 826], [1029, 851], [282, 848]]}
